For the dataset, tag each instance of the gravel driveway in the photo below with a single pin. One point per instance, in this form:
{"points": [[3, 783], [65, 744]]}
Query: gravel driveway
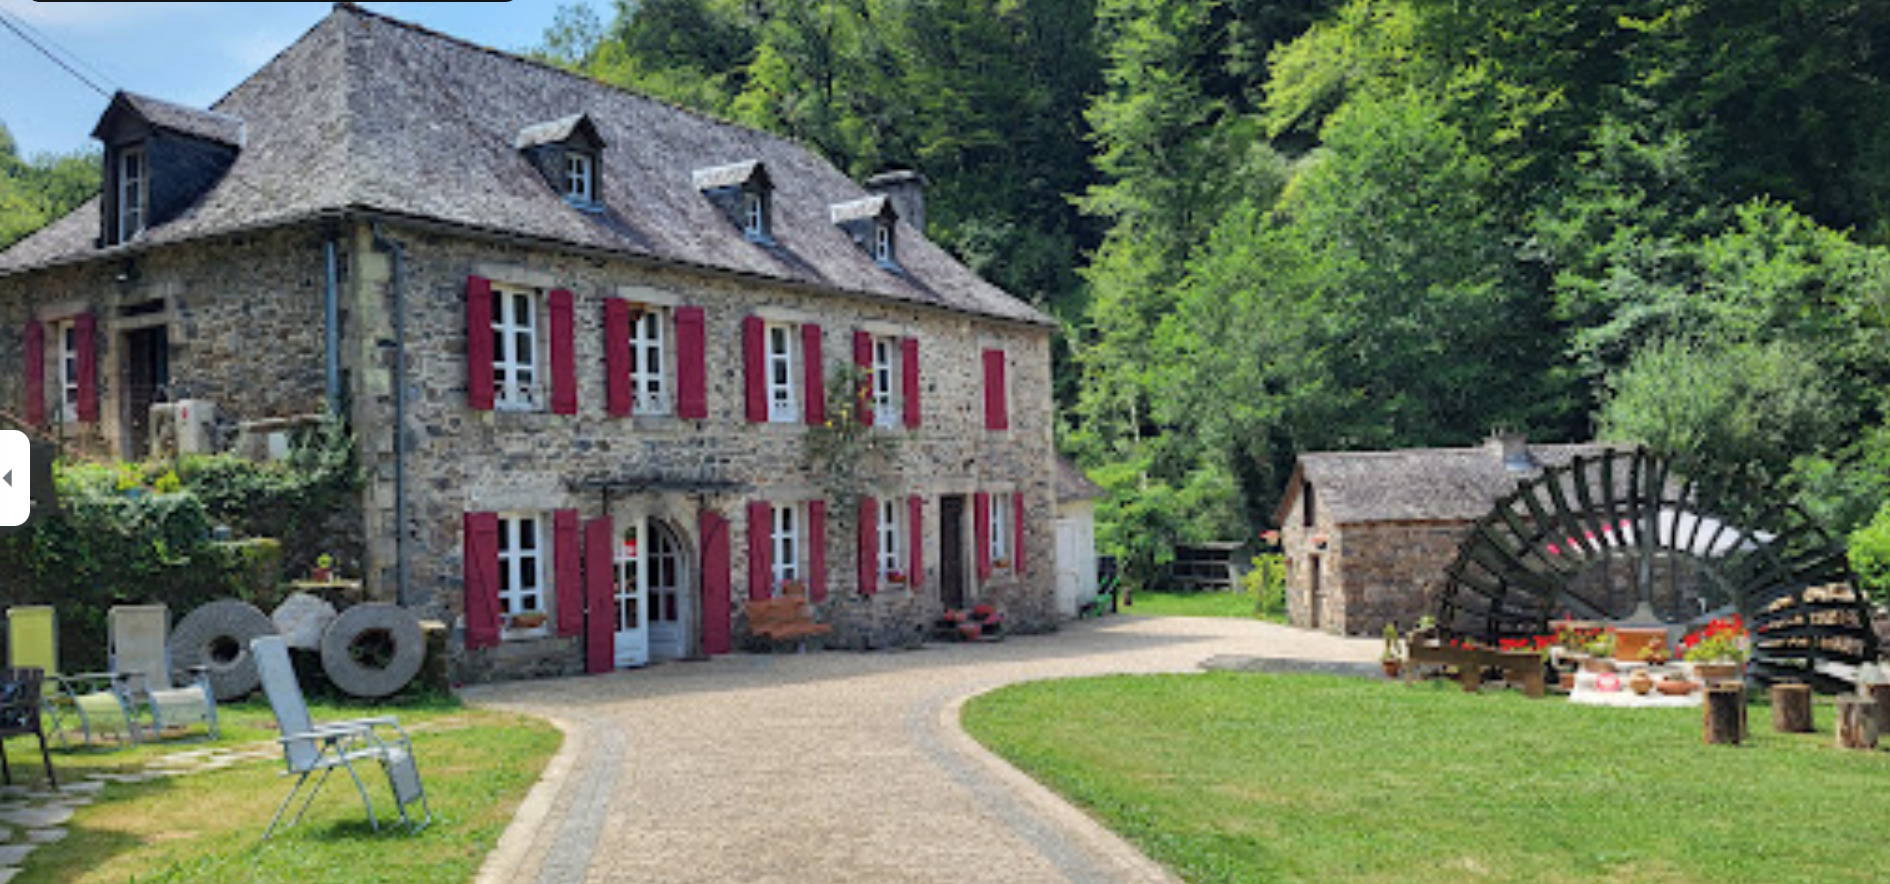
{"points": [[835, 767]]}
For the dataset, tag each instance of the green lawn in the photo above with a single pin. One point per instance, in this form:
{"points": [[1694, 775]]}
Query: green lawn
{"points": [[207, 827], [1150, 603], [1231, 777]]}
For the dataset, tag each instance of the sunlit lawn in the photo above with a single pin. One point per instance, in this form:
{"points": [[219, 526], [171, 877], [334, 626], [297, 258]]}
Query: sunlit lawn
{"points": [[1233, 603], [207, 827], [1230, 777]]}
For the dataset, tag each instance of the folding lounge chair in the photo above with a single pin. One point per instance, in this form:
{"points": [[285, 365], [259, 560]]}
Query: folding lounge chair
{"points": [[308, 747], [86, 701], [141, 669], [19, 716]]}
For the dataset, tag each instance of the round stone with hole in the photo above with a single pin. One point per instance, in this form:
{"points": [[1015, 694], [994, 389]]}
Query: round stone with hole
{"points": [[216, 636], [373, 650]]}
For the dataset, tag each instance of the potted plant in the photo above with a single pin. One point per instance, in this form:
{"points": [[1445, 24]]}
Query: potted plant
{"points": [[324, 570], [1392, 660], [1719, 650], [1676, 684], [896, 578], [528, 620], [1600, 652], [1655, 652]]}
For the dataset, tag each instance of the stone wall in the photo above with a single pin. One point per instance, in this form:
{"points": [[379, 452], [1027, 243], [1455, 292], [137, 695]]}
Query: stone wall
{"points": [[1391, 570], [463, 460]]}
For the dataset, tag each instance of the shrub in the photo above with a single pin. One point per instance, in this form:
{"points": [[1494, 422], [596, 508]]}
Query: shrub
{"points": [[1267, 584], [1870, 557]]}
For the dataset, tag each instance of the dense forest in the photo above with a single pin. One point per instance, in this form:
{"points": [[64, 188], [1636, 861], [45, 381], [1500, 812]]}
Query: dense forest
{"points": [[1274, 226]]}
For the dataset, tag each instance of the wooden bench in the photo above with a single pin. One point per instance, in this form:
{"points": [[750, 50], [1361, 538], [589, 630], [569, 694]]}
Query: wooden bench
{"points": [[1523, 667], [787, 617]]}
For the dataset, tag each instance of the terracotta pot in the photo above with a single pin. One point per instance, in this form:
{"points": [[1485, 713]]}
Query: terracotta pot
{"points": [[1566, 681], [969, 631], [1716, 671], [321, 575], [1640, 682], [1676, 687], [1391, 667], [1597, 664]]}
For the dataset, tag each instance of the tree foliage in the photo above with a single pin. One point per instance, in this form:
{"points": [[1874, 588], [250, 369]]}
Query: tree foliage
{"points": [[33, 193]]}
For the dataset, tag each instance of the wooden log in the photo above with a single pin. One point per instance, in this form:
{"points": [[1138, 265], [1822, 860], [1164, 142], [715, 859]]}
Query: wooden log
{"points": [[1881, 694], [1725, 714], [1791, 708], [1856, 722]]}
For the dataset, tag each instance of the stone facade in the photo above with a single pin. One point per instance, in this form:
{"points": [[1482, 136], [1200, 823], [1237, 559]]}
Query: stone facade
{"points": [[1369, 574], [244, 322]]}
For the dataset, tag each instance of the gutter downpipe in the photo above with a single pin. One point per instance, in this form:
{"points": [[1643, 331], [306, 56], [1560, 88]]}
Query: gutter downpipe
{"points": [[397, 255], [331, 312]]}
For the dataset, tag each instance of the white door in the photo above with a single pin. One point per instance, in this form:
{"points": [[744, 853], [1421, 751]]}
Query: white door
{"points": [[633, 616], [668, 606], [1068, 577]]}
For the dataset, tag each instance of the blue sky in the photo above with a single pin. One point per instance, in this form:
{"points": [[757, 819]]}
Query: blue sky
{"points": [[192, 53]]}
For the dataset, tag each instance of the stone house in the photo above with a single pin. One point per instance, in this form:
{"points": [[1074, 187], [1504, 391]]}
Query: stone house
{"points": [[582, 338], [1367, 535]]}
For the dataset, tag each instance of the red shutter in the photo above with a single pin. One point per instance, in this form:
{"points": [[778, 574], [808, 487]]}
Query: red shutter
{"points": [[760, 550], [85, 328], [863, 357], [755, 363], [600, 624], [482, 579], [915, 541], [981, 532], [692, 374], [869, 546], [817, 550], [1017, 532], [35, 345], [909, 379], [996, 415], [617, 356], [479, 343], [716, 638], [564, 393], [813, 373], [567, 571]]}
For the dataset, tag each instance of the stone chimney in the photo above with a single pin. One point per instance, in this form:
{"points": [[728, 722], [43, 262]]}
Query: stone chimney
{"points": [[906, 189], [1514, 449]]}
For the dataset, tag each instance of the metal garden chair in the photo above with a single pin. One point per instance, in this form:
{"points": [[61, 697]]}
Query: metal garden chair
{"points": [[20, 716], [308, 747], [142, 675], [87, 701]]}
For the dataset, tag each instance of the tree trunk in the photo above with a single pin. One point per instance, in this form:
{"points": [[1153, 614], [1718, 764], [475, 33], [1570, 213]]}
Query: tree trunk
{"points": [[1725, 714], [1791, 708], [1881, 694], [1856, 723]]}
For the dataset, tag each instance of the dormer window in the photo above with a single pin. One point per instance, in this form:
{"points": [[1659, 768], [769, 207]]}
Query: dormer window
{"points": [[744, 194], [131, 193], [883, 244], [579, 168], [568, 153], [870, 223]]}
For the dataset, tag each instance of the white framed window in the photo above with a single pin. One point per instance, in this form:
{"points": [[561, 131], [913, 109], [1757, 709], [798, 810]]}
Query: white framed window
{"points": [[68, 338], [1001, 531], [515, 375], [522, 596], [885, 381], [649, 360], [580, 177], [132, 191], [783, 358], [754, 214], [883, 243], [892, 542], [786, 544]]}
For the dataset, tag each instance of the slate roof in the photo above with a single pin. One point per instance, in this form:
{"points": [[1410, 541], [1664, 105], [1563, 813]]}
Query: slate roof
{"points": [[195, 122], [366, 113], [728, 175], [1073, 484], [557, 130], [1416, 484]]}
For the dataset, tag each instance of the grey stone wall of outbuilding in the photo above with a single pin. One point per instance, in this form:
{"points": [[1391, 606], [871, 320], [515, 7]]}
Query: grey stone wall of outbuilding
{"points": [[1392, 569], [461, 460]]}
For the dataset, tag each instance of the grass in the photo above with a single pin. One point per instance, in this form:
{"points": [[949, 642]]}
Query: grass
{"points": [[1152, 603], [1232, 777], [207, 827]]}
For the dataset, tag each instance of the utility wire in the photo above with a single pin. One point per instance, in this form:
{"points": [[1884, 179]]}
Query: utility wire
{"points": [[7, 20]]}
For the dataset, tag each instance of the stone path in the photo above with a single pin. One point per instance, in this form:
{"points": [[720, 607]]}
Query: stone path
{"points": [[839, 767]]}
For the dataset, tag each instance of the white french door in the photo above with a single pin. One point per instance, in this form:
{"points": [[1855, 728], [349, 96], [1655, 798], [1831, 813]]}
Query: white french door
{"points": [[630, 578], [668, 605]]}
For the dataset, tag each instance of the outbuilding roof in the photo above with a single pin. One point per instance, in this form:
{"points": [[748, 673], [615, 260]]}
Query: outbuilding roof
{"points": [[1073, 483], [1417, 484], [368, 114]]}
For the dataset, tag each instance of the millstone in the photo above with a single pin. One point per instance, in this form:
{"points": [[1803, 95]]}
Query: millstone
{"points": [[217, 636], [302, 618], [373, 650]]}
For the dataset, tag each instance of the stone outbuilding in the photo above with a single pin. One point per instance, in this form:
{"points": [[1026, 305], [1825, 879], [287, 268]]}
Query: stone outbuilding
{"points": [[1367, 534], [583, 340]]}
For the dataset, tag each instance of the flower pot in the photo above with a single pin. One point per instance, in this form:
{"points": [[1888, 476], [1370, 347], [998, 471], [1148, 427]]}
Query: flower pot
{"points": [[1566, 681], [321, 575], [528, 621], [1676, 687], [1718, 670], [1640, 682], [1391, 667], [1597, 664], [969, 631]]}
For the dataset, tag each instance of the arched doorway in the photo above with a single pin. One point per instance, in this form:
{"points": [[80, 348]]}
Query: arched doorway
{"points": [[1624, 536], [653, 602]]}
